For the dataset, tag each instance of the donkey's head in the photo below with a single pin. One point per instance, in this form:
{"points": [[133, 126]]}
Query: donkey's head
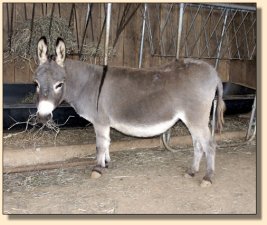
{"points": [[49, 78]]}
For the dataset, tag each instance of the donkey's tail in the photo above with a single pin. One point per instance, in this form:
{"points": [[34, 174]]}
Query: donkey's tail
{"points": [[220, 106]]}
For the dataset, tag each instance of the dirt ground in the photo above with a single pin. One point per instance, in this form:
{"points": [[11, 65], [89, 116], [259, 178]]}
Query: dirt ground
{"points": [[143, 181]]}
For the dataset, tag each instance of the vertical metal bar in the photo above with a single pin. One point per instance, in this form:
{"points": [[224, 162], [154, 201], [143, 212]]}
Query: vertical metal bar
{"points": [[107, 33], [222, 35], [251, 118], [213, 117], [180, 27], [142, 37], [108, 13]]}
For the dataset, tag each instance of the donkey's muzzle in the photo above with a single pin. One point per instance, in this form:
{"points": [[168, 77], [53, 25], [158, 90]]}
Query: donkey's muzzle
{"points": [[44, 111]]}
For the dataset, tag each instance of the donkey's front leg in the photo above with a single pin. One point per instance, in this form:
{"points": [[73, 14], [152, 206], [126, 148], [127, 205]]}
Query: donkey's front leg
{"points": [[102, 149]]}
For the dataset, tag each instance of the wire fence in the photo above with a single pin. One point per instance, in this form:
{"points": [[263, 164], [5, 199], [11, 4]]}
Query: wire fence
{"points": [[209, 31]]}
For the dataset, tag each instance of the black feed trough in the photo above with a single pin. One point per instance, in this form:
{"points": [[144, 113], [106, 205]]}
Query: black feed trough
{"points": [[238, 99], [15, 110]]}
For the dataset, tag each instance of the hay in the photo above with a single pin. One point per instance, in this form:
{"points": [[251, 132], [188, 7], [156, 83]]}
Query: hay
{"points": [[36, 132], [41, 27], [59, 28], [29, 98]]}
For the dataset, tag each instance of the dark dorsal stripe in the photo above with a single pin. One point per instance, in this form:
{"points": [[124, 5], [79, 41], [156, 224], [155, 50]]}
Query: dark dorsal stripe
{"points": [[105, 68]]}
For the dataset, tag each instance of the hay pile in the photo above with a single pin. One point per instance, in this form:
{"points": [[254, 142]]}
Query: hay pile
{"points": [[41, 26], [57, 28]]}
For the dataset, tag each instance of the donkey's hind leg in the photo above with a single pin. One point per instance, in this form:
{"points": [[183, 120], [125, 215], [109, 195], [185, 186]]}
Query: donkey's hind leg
{"points": [[198, 153], [102, 149], [210, 151], [203, 143]]}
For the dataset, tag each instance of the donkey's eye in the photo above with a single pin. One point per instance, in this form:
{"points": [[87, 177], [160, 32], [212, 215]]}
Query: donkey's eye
{"points": [[37, 85], [59, 85]]}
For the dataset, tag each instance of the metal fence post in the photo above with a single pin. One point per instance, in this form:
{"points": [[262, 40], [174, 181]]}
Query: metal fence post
{"points": [[251, 119], [107, 33], [180, 27], [142, 37]]}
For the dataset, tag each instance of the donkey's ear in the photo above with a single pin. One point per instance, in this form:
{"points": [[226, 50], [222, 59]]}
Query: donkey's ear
{"points": [[60, 52], [42, 50]]}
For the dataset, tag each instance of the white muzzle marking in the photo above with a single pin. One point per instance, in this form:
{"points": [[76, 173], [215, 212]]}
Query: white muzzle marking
{"points": [[45, 107]]}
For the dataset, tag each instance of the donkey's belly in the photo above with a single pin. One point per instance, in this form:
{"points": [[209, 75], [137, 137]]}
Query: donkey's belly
{"points": [[145, 130]]}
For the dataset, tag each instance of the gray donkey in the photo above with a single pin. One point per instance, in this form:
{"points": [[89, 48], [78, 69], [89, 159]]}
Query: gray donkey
{"points": [[137, 102]]}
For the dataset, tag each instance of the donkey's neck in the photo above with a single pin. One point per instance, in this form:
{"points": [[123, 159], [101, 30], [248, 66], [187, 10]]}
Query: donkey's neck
{"points": [[82, 85]]}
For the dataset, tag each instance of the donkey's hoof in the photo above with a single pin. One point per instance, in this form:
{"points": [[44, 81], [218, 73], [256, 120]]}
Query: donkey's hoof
{"points": [[95, 174], [189, 175], [205, 183]]}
